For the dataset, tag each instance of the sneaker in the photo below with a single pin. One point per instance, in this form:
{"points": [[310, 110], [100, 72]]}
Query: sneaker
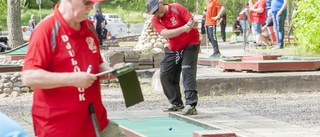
{"points": [[275, 48], [189, 110], [214, 55], [174, 108]]}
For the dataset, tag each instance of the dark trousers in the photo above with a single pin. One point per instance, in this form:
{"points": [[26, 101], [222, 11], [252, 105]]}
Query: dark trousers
{"points": [[278, 24], [170, 70], [99, 32], [223, 31], [211, 32]]}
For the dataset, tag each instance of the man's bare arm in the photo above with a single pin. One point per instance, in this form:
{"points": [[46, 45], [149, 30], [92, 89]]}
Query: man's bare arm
{"points": [[43, 79]]}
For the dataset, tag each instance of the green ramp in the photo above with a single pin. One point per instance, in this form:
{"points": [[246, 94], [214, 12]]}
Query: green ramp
{"points": [[21, 50], [160, 127]]}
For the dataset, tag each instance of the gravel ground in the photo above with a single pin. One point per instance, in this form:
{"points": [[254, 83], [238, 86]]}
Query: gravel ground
{"points": [[301, 109]]}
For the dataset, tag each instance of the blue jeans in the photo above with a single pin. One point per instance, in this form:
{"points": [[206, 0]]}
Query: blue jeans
{"points": [[211, 32], [278, 24]]}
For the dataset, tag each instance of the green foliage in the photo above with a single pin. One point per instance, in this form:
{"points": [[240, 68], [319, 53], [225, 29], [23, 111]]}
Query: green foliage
{"points": [[25, 17], [137, 8], [232, 8], [126, 11], [307, 21], [45, 4], [3, 15]]}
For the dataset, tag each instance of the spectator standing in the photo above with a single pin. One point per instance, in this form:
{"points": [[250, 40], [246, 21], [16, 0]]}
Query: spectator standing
{"points": [[175, 22], [213, 14], [243, 17], [104, 29], [223, 25], [98, 19], [279, 14], [258, 12], [63, 56], [203, 27], [32, 23]]}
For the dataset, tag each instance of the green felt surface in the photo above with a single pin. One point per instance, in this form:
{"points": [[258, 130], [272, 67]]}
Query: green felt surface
{"points": [[159, 127], [277, 61], [240, 38], [22, 50], [220, 58]]}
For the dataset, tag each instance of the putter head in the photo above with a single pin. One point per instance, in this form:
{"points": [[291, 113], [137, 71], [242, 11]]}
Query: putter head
{"points": [[129, 84], [123, 70]]}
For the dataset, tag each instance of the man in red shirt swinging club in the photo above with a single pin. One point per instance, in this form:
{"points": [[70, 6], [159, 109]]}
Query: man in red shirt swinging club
{"points": [[175, 22]]}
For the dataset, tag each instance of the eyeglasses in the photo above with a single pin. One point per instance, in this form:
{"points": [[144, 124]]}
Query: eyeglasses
{"points": [[87, 2], [155, 11]]}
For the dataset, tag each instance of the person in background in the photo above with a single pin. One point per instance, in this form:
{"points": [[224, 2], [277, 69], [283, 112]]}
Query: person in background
{"points": [[60, 65], [98, 19], [10, 128], [32, 23], [244, 17], [175, 22], [223, 25], [236, 25], [267, 30], [104, 30], [203, 27], [212, 16], [279, 14], [258, 11]]}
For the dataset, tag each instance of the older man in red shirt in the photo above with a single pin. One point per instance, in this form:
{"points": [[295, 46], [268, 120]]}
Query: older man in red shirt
{"points": [[62, 58]]}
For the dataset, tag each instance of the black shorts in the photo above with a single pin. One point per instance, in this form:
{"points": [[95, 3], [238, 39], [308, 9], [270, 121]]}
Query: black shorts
{"points": [[269, 22]]}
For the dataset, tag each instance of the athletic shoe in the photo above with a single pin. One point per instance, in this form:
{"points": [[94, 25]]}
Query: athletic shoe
{"points": [[189, 110], [215, 55], [174, 108]]}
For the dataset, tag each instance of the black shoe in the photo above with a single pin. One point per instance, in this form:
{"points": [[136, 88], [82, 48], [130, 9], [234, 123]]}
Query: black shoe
{"points": [[173, 108]]}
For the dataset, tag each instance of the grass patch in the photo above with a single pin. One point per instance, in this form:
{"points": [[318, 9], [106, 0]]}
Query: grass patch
{"points": [[291, 50], [130, 43]]}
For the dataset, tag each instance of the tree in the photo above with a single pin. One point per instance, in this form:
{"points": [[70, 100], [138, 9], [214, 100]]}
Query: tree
{"points": [[3, 16], [306, 20], [14, 23]]}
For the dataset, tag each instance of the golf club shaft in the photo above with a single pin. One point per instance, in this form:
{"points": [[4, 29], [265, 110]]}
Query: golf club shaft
{"points": [[94, 120]]}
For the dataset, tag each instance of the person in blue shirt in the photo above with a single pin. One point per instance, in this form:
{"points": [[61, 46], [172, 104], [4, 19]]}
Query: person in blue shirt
{"points": [[10, 128], [279, 14], [268, 3]]}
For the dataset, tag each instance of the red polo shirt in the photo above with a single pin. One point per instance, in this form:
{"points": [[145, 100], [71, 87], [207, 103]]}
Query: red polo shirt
{"points": [[259, 17], [175, 17], [56, 47]]}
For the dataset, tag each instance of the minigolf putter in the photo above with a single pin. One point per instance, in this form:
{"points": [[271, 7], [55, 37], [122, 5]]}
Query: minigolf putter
{"points": [[129, 83]]}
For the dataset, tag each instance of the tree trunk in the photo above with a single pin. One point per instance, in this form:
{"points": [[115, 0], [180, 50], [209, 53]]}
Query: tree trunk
{"points": [[97, 6], [14, 24]]}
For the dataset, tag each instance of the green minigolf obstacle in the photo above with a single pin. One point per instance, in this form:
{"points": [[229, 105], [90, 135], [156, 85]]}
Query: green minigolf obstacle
{"points": [[160, 127], [20, 50]]}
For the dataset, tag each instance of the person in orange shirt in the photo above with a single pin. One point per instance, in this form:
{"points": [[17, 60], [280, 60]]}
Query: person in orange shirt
{"points": [[212, 16]]}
